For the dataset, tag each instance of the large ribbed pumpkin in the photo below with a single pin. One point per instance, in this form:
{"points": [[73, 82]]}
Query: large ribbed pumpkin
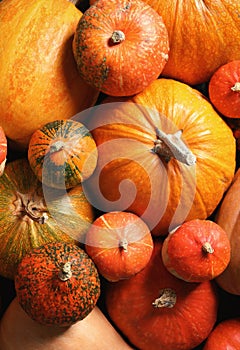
{"points": [[32, 215], [203, 35], [39, 77], [164, 154], [228, 217]]}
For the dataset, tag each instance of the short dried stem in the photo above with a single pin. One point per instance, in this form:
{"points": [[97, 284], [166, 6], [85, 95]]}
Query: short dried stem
{"points": [[65, 273], [207, 248], [124, 244], [236, 87], [117, 37], [167, 298]]}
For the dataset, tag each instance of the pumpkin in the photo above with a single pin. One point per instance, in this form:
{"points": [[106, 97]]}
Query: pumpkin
{"points": [[120, 46], [156, 310], [19, 331], [62, 153], [224, 89], [228, 217], [3, 150], [202, 36], [120, 244], [57, 284], [39, 77], [196, 251], [31, 215], [163, 154], [224, 336]]}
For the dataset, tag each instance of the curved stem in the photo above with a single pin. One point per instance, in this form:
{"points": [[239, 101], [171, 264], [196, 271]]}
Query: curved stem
{"points": [[32, 206], [167, 298], [172, 146], [236, 87], [65, 273], [117, 37], [207, 248]]}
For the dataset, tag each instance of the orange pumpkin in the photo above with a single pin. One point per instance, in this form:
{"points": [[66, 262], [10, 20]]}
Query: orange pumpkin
{"points": [[62, 153], [163, 154], [120, 244], [202, 36], [120, 46], [39, 77], [228, 217], [196, 251]]}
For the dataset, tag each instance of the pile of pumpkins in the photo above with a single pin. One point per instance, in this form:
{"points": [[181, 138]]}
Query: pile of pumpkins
{"points": [[119, 174]]}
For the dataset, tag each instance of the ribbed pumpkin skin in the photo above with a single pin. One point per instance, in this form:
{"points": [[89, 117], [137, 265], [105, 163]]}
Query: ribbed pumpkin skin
{"points": [[224, 89], [39, 77], [127, 67], [164, 194], [203, 35], [180, 327], [226, 335], [228, 217], [20, 232], [45, 297], [62, 153]]}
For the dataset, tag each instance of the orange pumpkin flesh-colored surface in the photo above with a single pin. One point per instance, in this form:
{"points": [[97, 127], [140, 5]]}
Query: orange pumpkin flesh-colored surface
{"points": [[57, 284], [19, 331], [120, 244], [3, 150], [226, 335], [120, 46], [40, 81], [164, 154], [62, 153], [197, 251], [228, 217], [156, 310], [31, 215], [224, 89], [203, 35]]}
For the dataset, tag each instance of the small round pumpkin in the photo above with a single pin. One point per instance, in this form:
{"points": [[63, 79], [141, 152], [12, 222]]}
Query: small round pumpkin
{"points": [[228, 217], [57, 284], [62, 153], [32, 215], [120, 244], [155, 310], [120, 46], [197, 251], [163, 154], [224, 336], [39, 76], [224, 89]]}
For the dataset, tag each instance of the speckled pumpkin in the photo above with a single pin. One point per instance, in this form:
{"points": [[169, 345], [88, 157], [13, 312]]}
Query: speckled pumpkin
{"points": [[32, 215], [62, 153], [57, 284]]}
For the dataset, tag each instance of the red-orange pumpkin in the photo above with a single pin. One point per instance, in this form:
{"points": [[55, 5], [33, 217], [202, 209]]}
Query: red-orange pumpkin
{"points": [[164, 154], [62, 154], [120, 244], [120, 46], [32, 215], [57, 284], [224, 89], [203, 35], [197, 251], [156, 310], [228, 217], [39, 77], [226, 335]]}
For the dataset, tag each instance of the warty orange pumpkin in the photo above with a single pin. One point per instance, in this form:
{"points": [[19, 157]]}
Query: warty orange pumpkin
{"points": [[120, 46], [163, 154], [32, 215], [39, 77]]}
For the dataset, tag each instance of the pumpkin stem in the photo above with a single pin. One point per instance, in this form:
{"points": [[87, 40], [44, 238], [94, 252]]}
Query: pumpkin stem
{"points": [[124, 244], [167, 298], [65, 273], [56, 146], [117, 37], [207, 248], [172, 146], [32, 206], [236, 87]]}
